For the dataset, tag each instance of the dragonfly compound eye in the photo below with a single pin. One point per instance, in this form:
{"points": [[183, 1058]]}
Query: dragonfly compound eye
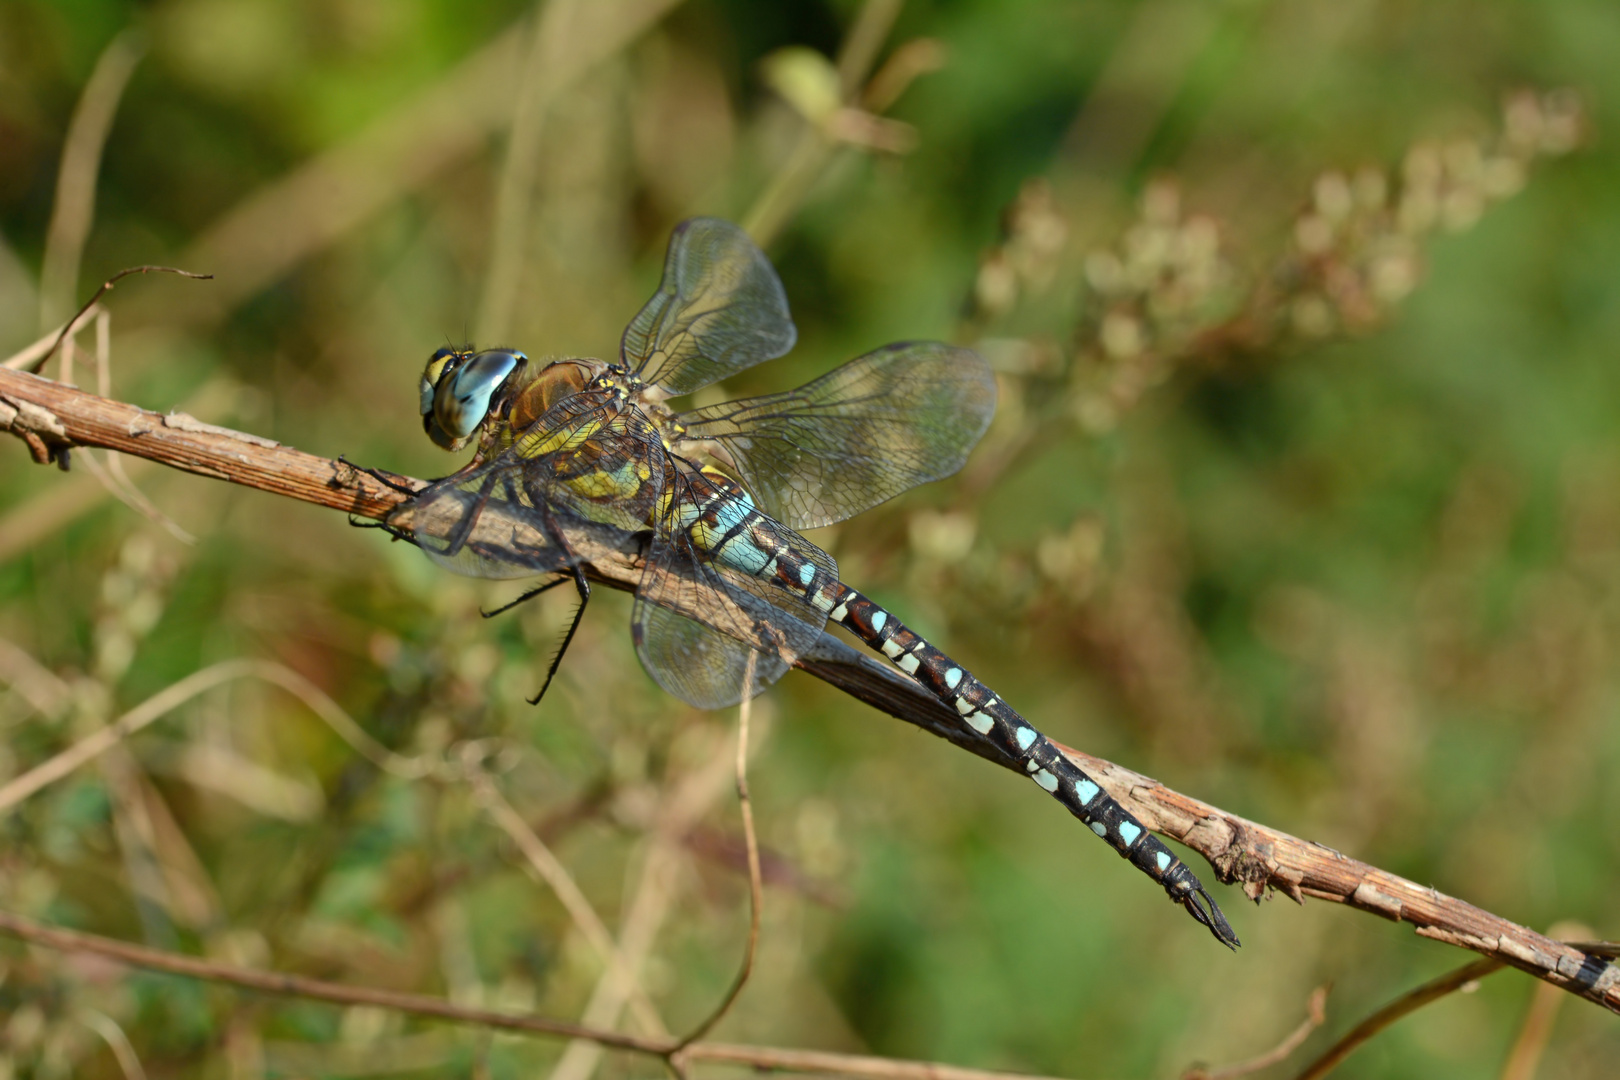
{"points": [[463, 393]]}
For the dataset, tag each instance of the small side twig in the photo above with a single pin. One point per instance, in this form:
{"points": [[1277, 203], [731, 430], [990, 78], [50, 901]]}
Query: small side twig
{"points": [[1315, 1017], [1405, 1005], [83, 313]]}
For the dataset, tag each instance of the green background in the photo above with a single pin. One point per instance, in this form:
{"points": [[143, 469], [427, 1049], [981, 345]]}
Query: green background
{"points": [[1346, 562]]}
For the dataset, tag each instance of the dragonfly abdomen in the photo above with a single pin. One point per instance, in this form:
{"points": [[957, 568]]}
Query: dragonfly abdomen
{"points": [[982, 710]]}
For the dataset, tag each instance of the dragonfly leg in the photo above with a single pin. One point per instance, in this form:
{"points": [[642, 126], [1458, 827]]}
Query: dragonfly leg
{"points": [[530, 595], [385, 479], [396, 533], [584, 588]]}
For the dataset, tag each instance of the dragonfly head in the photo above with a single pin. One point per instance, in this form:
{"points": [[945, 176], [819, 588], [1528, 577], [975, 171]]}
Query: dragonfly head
{"points": [[458, 390]]}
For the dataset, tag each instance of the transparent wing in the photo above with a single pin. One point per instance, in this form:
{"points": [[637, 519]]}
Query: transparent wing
{"points": [[582, 461], [719, 308], [861, 434], [483, 525], [695, 621]]}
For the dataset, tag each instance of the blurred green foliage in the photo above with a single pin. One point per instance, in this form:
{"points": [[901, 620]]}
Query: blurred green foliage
{"points": [[1304, 497]]}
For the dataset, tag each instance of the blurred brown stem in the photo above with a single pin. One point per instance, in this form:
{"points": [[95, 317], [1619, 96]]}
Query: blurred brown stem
{"points": [[269, 982], [1240, 850]]}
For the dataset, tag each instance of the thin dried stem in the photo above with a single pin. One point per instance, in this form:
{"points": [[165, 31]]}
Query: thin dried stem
{"points": [[337, 190], [118, 485], [562, 30], [1315, 1016], [23, 359], [776, 205], [75, 205], [36, 684], [863, 43], [1405, 1005], [756, 887], [1533, 1034], [269, 982]]}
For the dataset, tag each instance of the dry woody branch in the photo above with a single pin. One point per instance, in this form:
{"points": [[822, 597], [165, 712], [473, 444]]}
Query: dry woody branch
{"points": [[51, 418]]}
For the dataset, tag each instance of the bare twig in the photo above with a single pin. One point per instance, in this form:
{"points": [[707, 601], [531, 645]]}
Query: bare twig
{"points": [[269, 982], [1406, 1004], [756, 888], [1315, 1016], [83, 314], [1240, 850]]}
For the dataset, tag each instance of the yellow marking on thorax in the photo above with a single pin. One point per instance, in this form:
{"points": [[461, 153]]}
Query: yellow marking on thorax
{"points": [[570, 437]]}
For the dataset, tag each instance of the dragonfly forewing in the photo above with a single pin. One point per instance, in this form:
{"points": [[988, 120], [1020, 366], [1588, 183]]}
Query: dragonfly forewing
{"points": [[863, 433]]}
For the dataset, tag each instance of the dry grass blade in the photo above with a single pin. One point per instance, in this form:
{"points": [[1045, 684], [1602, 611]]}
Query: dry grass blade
{"points": [[36, 684], [1533, 1034], [562, 29], [689, 798], [338, 189], [117, 1042], [165, 701], [23, 359], [75, 205], [117, 484]]}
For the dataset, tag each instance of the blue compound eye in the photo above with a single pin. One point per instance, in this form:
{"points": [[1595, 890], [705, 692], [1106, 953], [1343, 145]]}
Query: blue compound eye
{"points": [[462, 395]]}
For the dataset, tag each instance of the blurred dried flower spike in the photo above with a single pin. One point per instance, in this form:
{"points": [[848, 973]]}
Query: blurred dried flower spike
{"points": [[1356, 246], [1072, 560], [1147, 301], [1035, 233], [1169, 292]]}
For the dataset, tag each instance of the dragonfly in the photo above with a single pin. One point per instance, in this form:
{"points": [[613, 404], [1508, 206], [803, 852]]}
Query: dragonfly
{"points": [[730, 593]]}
